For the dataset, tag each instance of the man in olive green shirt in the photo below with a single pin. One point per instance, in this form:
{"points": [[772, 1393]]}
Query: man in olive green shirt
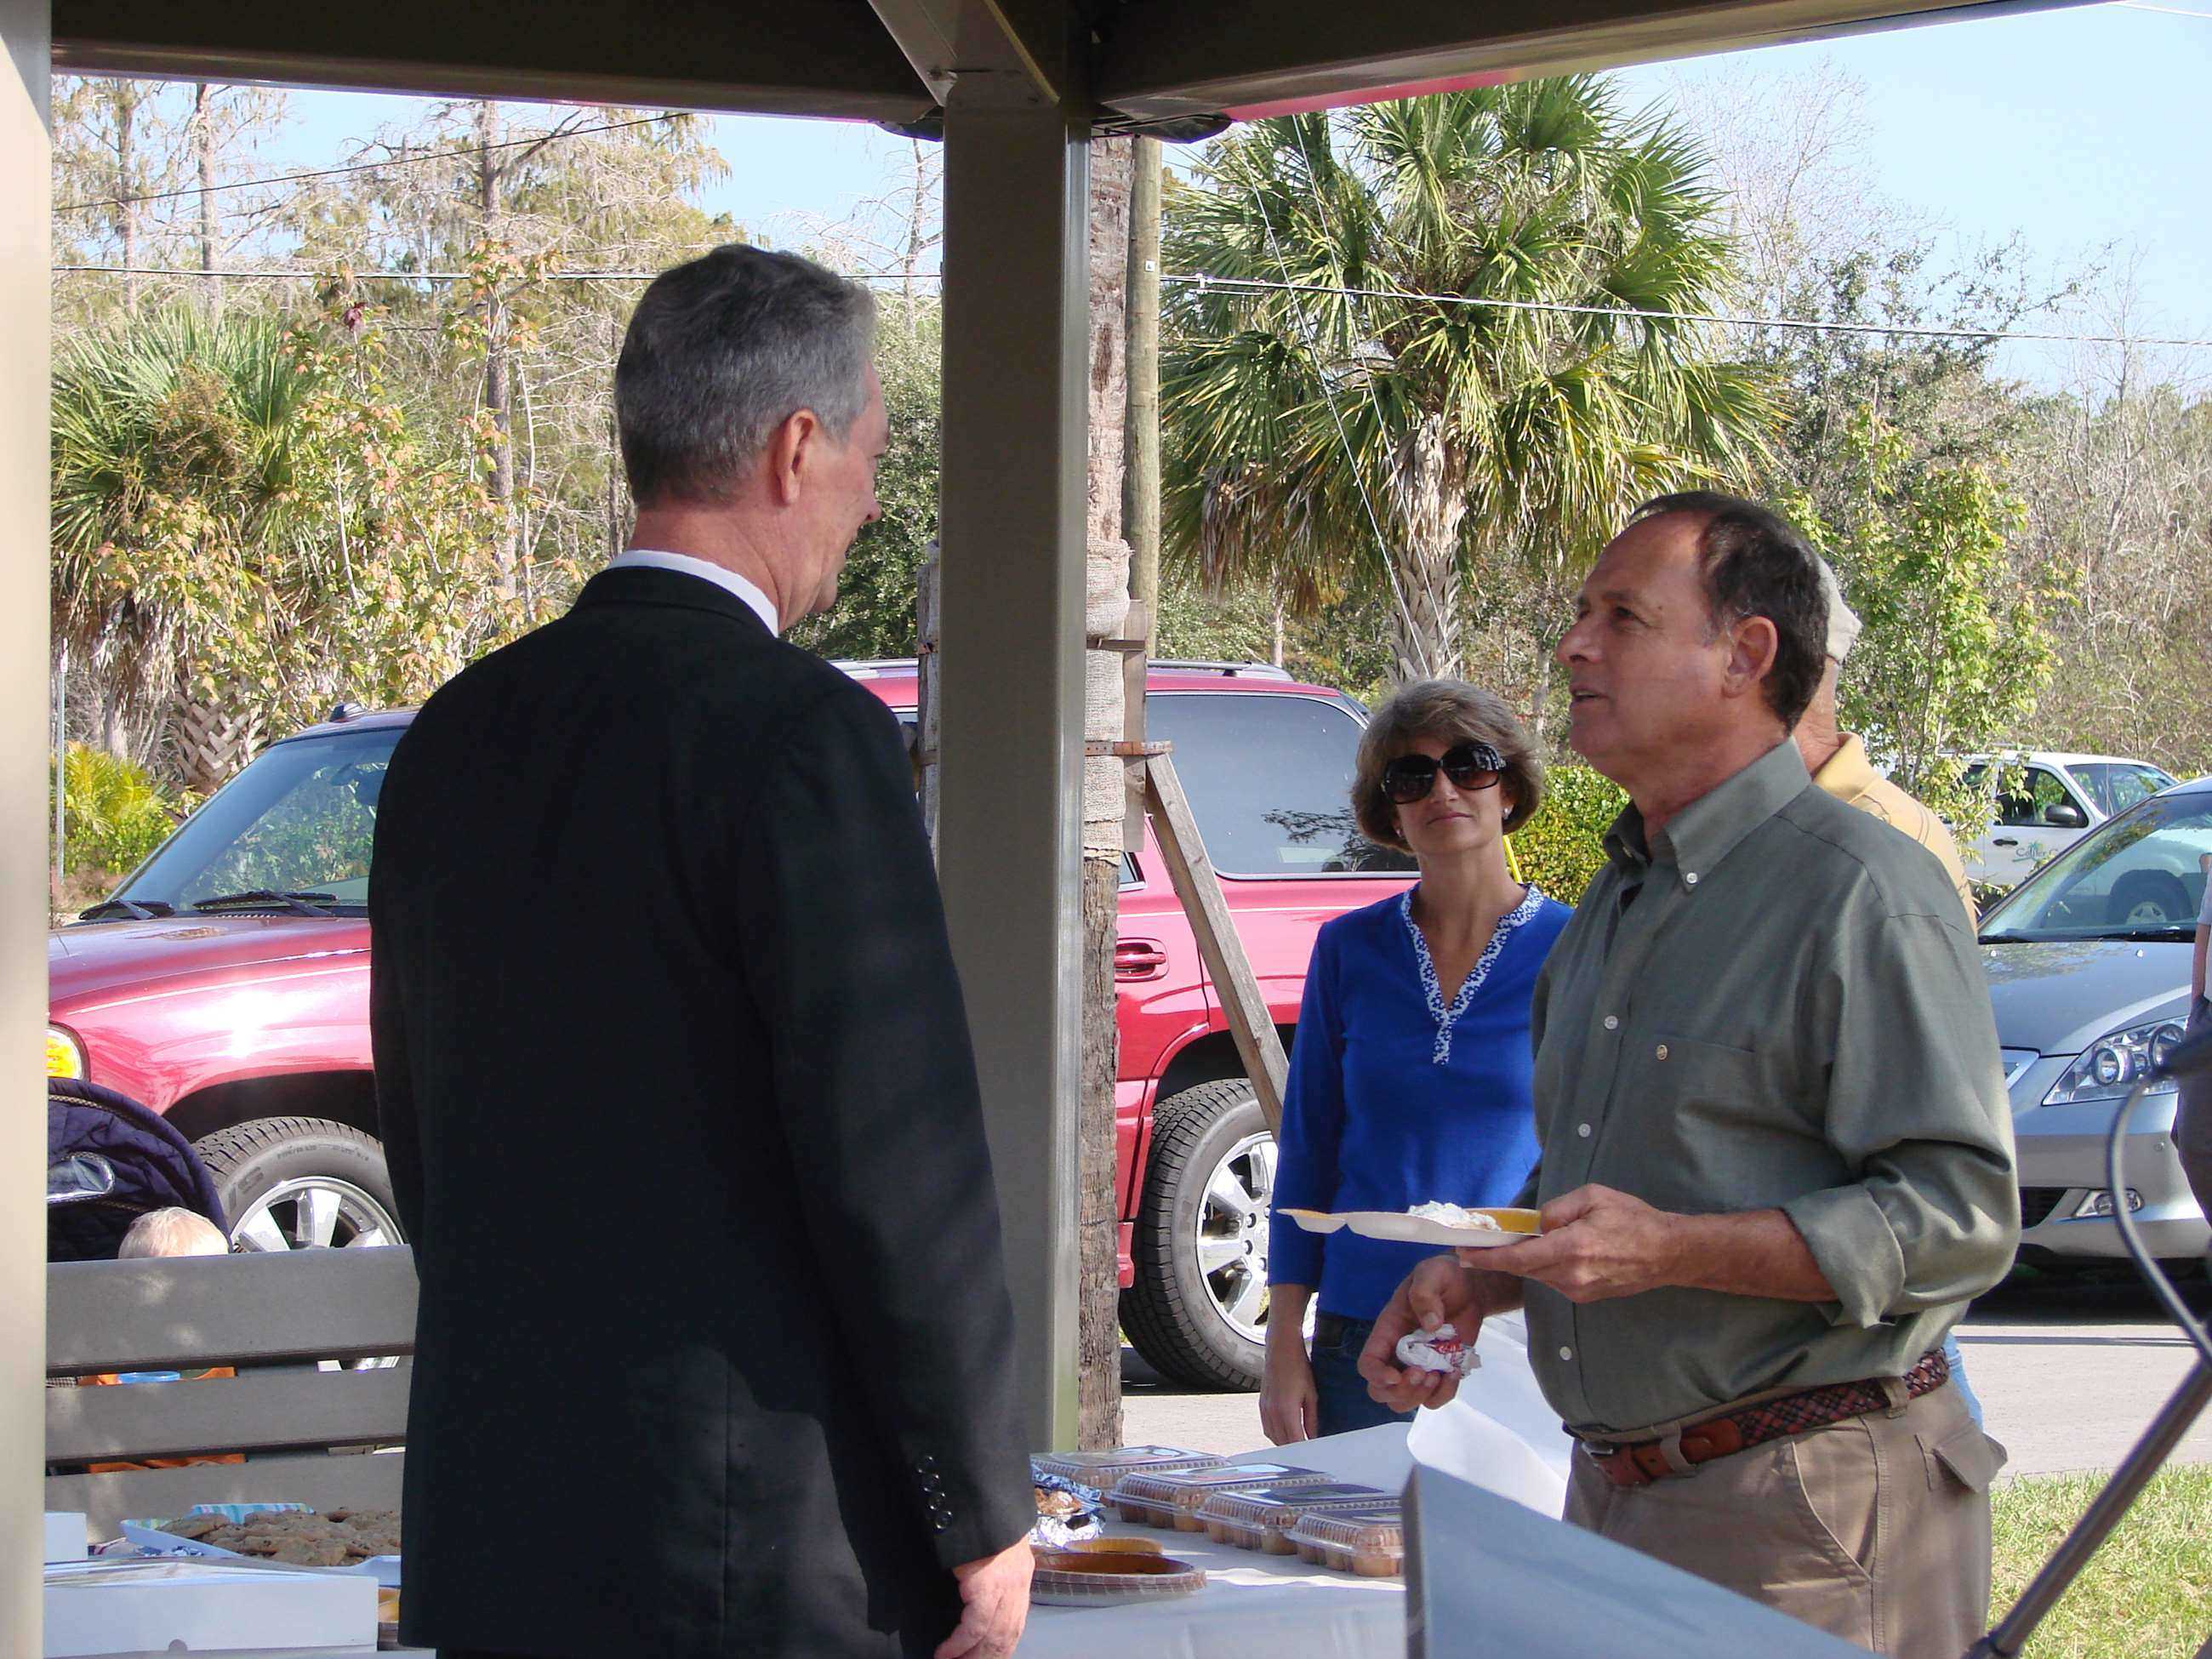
{"points": [[1777, 1156]]}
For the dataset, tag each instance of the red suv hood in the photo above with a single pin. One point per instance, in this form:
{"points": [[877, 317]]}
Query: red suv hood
{"points": [[98, 961]]}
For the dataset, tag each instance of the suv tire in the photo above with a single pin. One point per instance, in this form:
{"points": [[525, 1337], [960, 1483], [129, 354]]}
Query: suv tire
{"points": [[297, 1183], [1179, 1313]]}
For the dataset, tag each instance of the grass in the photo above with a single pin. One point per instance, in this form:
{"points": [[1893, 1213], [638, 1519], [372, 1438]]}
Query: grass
{"points": [[2147, 1595]]}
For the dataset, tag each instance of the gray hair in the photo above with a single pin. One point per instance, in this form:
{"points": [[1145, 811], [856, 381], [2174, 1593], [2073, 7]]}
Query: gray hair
{"points": [[721, 352], [1451, 712], [173, 1232]]}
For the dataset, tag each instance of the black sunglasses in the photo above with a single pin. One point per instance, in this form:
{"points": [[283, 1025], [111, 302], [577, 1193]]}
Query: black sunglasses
{"points": [[1410, 778]]}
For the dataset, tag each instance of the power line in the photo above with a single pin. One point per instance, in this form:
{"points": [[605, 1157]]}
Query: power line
{"points": [[1205, 281], [2170, 11], [358, 167]]}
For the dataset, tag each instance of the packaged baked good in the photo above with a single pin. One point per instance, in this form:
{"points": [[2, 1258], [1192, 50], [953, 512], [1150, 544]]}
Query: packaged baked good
{"points": [[1262, 1520], [1170, 1498], [1102, 1469], [1370, 1542]]}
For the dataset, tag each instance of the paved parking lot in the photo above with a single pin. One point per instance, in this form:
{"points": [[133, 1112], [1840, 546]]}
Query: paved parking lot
{"points": [[2069, 1370]]}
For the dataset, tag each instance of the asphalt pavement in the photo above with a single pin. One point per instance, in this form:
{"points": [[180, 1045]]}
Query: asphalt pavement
{"points": [[2069, 1372]]}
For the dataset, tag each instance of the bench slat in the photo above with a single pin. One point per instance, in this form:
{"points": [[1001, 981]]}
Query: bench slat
{"points": [[367, 1481], [191, 1311], [264, 1411]]}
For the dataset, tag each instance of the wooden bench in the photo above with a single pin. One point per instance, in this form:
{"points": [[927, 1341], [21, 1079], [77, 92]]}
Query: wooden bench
{"points": [[272, 1317]]}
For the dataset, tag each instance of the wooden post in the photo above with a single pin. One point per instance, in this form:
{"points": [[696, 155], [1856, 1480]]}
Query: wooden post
{"points": [[1141, 487]]}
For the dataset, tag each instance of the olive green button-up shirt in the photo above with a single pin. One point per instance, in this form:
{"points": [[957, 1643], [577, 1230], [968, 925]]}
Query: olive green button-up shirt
{"points": [[1773, 1004]]}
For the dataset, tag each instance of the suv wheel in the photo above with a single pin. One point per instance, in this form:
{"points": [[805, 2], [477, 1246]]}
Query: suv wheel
{"points": [[298, 1183], [1197, 1306]]}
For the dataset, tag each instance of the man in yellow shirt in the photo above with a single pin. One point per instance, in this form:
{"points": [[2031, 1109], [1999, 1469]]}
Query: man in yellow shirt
{"points": [[1839, 763]]}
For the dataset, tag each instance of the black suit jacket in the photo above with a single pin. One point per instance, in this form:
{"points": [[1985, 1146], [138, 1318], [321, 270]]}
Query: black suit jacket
{"points": [[676, 1087]]}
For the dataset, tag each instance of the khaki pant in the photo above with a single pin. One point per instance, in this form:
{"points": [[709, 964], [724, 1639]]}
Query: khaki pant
{"points": [[1875, 1529]]}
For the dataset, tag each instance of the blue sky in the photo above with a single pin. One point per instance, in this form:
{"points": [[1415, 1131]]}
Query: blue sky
{"points": [[2077, 129]]}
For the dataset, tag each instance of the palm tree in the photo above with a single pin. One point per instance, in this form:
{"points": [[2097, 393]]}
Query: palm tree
{"points": [[174, 494], [1321, 438]]}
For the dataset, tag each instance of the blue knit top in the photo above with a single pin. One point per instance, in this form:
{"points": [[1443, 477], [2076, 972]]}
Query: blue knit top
{"points": [[1398, 1097]]}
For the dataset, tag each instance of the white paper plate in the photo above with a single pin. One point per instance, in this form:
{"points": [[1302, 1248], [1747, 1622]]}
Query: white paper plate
{"points": [[1405, 1229]]}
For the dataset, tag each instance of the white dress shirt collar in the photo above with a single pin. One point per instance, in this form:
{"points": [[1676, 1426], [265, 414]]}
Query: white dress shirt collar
{"points": [[647, 558]]}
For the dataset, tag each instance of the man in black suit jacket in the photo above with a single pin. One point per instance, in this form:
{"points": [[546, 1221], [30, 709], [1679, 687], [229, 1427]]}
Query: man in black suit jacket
{"points": [[675, 1079]]}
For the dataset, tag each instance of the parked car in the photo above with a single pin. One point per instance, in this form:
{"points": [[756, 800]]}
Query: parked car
{"points": [[225, 985], [2088, 969], [2047, 803]]}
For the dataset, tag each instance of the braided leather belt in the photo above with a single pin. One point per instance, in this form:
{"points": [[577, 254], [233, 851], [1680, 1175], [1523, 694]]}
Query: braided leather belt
{"points": [[1640, 1464]]}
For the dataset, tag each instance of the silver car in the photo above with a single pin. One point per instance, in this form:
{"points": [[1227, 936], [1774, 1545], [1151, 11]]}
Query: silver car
{"points": [[2088, 969]]}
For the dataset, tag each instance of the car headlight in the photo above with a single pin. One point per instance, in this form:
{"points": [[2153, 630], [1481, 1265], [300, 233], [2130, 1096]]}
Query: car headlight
{"points": [[64, 1055], [2116, 1062]]}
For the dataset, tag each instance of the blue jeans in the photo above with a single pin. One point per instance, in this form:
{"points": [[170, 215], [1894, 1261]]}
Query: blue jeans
{"points": [[1958, 1377], [1340, 1392]]}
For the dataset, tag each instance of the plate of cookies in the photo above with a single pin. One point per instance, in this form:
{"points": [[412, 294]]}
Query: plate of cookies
{"points": [[365, 1541]]}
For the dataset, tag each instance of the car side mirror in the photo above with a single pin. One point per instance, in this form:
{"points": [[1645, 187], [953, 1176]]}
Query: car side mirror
{"points": [[2065, 815]]}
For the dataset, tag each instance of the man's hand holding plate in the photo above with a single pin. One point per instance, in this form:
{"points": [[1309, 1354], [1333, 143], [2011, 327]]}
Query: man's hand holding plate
{"points": [[1597, 1243]]}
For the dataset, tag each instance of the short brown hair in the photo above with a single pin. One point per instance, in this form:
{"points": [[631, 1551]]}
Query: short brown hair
{"points": [[1450, 711]]}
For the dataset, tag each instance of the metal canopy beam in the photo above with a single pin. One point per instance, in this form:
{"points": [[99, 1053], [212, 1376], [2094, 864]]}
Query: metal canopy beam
{"points": [[827, 57], [1250, 58]]}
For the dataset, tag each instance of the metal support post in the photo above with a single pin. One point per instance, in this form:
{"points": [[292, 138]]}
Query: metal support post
{"points": [[1010, 667], [26, 28]]}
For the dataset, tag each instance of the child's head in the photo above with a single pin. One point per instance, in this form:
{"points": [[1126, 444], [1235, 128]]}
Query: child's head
{"points": [[173, 1232]]}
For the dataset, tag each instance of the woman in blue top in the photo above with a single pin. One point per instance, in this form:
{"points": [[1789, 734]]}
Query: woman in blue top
{"points": [[1410, 1076]]}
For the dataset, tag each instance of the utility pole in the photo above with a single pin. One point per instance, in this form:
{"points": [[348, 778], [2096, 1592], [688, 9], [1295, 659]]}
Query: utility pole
{"points": [[203, 153], [122, 103], [498, 396]]}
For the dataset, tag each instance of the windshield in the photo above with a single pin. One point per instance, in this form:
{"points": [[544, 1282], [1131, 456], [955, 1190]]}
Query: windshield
{"points": [[300, 819], [2116, 785], [2141, 875]]}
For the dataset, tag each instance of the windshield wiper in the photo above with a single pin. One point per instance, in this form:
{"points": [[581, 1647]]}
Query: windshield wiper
{"points": [[300, 905], [137, 909]]}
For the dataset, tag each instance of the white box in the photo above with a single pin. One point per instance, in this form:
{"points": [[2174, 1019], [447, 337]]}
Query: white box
{"points": [[65, 1536], [155, 1607]]}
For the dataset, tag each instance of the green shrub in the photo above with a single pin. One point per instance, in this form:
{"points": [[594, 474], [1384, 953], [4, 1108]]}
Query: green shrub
{"points": [[1564, 845], [114, 814]]}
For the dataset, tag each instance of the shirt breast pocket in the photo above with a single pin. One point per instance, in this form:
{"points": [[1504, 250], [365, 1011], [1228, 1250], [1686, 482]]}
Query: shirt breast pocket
{"points": [[1711, 1082]]}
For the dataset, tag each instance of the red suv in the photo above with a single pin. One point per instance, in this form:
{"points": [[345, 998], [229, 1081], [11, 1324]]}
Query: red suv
{"points": [[226, 985]]}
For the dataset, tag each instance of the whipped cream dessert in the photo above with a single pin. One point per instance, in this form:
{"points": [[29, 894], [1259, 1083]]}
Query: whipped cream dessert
{"points": [[1453, 1216]]}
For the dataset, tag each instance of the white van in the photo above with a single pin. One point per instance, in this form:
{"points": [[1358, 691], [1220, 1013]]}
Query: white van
{"points": [[2050, 801]]}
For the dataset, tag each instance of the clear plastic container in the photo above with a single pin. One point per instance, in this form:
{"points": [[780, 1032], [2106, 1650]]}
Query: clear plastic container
{"points": [[1170, 1498], [1101, 1469], [1370, 1542], [1262, 1519]]}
